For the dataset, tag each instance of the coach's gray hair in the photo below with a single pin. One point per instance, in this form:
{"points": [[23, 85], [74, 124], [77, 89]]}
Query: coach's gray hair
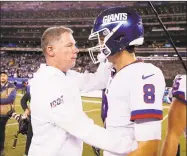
{"points": [[52, 34]]}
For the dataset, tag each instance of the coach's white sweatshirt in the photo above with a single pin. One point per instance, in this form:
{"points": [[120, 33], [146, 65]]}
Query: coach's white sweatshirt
{"points": [[59, 124]]}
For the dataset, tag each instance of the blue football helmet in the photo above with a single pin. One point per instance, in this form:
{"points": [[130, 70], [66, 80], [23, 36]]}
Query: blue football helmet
{"points": [[115, 29]]}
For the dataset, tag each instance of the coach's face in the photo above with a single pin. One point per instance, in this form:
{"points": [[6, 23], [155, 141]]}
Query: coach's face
{"points": [[4, 78], [66, 51]]}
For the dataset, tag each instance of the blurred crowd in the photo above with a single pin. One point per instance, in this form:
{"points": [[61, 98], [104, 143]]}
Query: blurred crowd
{"points": [[87, 12], [23, 23], [80, 9], [59, 5], [21, 65], [24, 64]]}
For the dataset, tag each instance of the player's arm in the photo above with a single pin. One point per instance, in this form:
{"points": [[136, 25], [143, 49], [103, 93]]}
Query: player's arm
{"points": [[146, 148], [148, 135], [176, 126], [146, 112]]}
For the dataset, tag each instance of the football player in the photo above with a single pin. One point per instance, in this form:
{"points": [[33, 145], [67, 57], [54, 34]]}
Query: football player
{"points": [[176, 117], [134, 93]]}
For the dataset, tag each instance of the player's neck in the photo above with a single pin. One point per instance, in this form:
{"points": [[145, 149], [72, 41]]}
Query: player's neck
{"points": [[123, 60]]}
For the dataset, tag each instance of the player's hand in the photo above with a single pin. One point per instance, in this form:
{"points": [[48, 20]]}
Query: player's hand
{"points": [[96, 151]]}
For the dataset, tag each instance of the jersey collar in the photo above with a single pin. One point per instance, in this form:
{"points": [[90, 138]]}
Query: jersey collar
{"points": [[136, 61]]}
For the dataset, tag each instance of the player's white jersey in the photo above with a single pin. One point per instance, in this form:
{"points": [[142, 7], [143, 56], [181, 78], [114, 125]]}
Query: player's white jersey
{"points": [[58, 122], [135, 92], [179, 88]]}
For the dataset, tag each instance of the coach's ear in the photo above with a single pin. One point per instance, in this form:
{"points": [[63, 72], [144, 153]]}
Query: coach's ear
{"points": [[50, 51]]}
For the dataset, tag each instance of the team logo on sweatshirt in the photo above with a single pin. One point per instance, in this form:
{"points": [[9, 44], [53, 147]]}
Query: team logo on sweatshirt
{"points": [[57, 102]]}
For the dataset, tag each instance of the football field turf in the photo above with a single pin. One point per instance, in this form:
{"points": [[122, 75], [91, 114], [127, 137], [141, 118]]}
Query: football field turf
{"points": [[92, 108]]}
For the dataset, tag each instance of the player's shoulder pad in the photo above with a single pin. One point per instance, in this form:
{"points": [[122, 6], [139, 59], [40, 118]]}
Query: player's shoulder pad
{"points": [[157, 69], [154, 69]]}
